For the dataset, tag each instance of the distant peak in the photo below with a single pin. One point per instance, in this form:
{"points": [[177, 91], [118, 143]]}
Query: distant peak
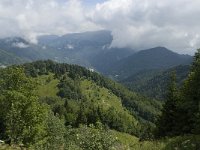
{"points": [[157, 50]]}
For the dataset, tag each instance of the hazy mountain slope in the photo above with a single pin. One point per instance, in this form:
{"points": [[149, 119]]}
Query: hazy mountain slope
{"points": [[24, 50], [95, 38], [154, 83], [89, 49], [155, 58], [7, 58], [109, 57], [77, 48]]}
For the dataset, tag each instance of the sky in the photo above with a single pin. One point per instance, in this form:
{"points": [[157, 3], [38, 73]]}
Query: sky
{"points": [[137, 24]]}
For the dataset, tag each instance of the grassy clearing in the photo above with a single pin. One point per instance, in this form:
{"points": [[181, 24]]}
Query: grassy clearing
{"points": [[100, 96], [189, 142], [47, 86], [132, 143]]}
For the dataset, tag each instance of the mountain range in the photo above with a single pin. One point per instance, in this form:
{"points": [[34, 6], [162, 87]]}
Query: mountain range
{"points": [[150, 59], [79, 48], [91, 50], [75, 102]]}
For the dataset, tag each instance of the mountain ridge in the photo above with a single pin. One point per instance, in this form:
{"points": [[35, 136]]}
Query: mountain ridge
{"points": [[154, 58], [92, 50]]}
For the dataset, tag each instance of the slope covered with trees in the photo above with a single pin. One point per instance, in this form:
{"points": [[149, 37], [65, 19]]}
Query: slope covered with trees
{"points": [[154, 83], [150, 59], [47, 105], [43, 101], [71, 77]]}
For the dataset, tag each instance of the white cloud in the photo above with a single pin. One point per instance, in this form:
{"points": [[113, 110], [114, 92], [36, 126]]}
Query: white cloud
{"points": [[148, 23], [20, 45], [138, 24], [69, 46], [30, 18]]}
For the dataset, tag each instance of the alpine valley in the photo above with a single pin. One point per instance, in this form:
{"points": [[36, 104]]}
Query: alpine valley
{"points": [[77, 92]]}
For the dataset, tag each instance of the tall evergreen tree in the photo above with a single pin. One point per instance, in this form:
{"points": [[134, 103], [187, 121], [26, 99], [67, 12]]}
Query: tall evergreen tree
{"points": [[167, 121], [191, 98]]}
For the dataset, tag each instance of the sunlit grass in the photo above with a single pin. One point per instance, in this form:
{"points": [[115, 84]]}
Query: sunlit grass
{"points": [[47, 86]]}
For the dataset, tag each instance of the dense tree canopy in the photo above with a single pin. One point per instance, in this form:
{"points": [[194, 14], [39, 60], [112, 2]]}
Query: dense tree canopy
{"points": [[181, 113], [22, 114]]}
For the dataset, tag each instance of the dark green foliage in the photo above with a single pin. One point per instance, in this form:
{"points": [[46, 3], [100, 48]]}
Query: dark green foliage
{"points": [[56, 104], [154, 83], [181, 113], [150, 59], [23, 117], [69, 88], [167, 122], [147, 132], [191, 98]]}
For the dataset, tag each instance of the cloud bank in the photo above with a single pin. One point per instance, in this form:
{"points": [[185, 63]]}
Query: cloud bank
{"points": [[30, 18], [138, 24]]}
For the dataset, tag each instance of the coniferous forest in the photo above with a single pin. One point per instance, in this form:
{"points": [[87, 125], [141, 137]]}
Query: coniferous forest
{"points": [[49, 105]]}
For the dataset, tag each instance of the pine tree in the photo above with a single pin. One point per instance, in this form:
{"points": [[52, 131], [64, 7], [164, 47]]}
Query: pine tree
{"points": [[191, 98], [167, 121]]}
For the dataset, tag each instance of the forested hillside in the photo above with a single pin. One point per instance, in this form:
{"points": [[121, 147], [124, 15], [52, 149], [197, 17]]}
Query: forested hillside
{"points": [[151, 59], [48, 105], [154, 83], [73, 96], [181, 111], [71, 73]]}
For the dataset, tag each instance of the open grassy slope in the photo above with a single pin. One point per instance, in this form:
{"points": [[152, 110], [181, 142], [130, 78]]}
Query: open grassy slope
{"points": [[47, 86], [177, 143]]}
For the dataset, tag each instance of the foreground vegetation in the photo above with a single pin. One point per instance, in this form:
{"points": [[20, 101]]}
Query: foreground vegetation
{"points": [[123, 141]]}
